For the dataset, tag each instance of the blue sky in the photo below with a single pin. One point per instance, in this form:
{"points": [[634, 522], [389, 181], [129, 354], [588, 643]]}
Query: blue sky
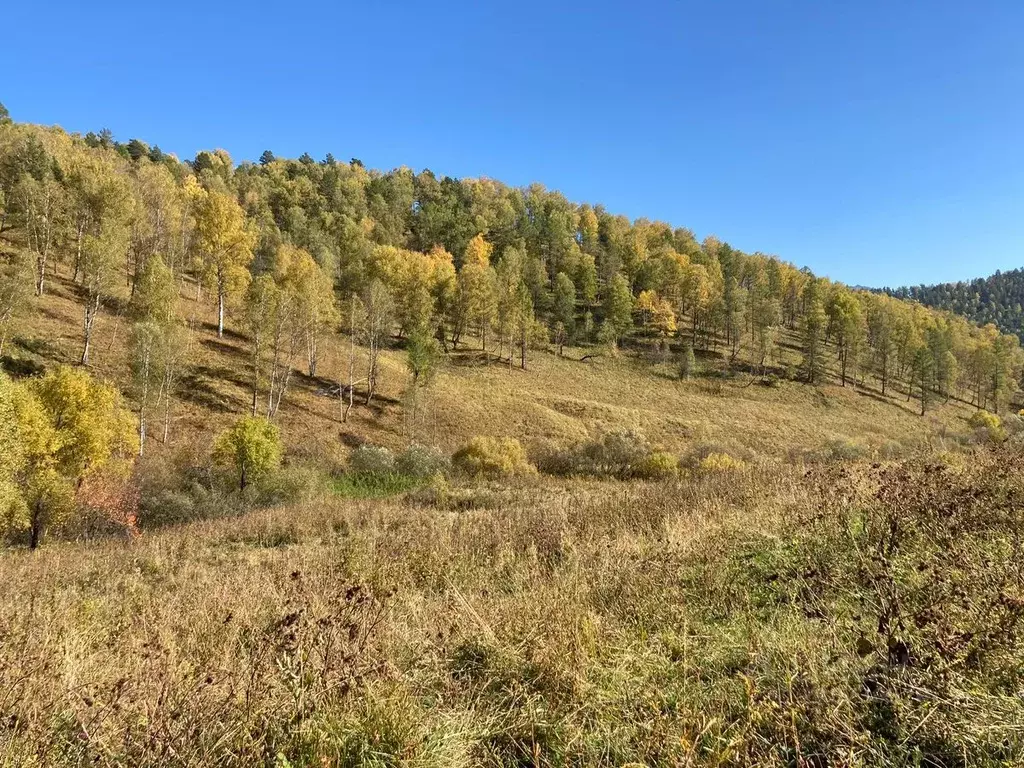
{"points": [[878, 142]]}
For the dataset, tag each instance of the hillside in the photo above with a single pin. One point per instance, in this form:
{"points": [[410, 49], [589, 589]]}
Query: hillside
{"points": [[304, 464], [559, 399], [997, 299], [247, 268]]}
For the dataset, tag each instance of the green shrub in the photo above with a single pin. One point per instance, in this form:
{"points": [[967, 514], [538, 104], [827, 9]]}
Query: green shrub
{"points": [[492, 457], [658, 466], [371, 459], [422, 462]]}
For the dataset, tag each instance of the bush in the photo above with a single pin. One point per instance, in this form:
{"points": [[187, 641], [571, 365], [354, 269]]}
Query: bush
{"points": [[251, 448], [658, 466], [492, 457], [720, 462], [987, 427], [292, 484], [624, 454], [845, 450], [422, 462], [371, 460]]}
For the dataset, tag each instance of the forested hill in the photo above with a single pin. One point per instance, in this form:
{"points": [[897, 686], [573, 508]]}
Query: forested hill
{"points": [[291, 254], [997, 299]]}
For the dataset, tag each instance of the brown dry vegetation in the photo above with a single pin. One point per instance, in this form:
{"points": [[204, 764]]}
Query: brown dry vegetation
{"points": [[851, 615]]}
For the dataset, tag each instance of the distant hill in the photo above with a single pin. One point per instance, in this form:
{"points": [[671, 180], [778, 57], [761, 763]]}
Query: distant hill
{"points": [[997, 299]]}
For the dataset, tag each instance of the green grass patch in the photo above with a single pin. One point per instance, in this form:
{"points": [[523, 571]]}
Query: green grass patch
{"points": [[373, 485]]}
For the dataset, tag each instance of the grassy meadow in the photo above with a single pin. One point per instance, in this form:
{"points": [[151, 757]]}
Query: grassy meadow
{"points": [[845, 615]]}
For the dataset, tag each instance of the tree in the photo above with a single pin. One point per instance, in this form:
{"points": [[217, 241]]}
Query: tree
{"points": [[155, 298], [524, 325], [15, 292], [564, 313], [315, 305], [158, 343], [814, 334], [379, 313], [145, 366], [251, 448], [101, 255], [423, 354], [477, 283], [618, 309], [847, 321], [924, 375], [586, 278], [695, 295], [158, 218], [41, 200], [509, 278], [261, 316], [226, 244], [70, 425]]}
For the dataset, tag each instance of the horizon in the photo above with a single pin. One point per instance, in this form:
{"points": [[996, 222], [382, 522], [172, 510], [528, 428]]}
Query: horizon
{"points": [[857, 142]]}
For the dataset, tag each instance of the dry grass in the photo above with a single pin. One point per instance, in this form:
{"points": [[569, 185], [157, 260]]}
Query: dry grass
{"points": [[717, 621]]}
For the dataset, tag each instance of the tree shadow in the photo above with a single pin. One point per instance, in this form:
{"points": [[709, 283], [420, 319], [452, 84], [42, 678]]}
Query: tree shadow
{"points": [[197, 388], [223, 348], [20, 368]]}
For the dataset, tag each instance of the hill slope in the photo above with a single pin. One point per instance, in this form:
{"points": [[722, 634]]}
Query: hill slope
{"points": [[997, 299]]}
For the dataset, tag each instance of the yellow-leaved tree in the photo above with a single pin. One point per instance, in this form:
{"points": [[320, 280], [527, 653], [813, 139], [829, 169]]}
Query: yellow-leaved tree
{"points": [[69, 426], [225, 243], [250, 448], [12, 454]]}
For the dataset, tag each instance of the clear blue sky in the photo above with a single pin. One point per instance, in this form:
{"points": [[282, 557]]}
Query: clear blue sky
{"points": [[876, 141]]}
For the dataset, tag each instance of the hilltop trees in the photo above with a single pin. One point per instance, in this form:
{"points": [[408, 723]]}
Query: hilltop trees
{"points": [[432, 265]]}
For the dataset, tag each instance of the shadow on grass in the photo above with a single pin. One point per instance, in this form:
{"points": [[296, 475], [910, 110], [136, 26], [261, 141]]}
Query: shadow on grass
{"points": [[197, 389]]}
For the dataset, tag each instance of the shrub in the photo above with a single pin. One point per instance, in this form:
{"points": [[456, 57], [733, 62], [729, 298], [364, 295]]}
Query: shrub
{"points": [[623, 454], [371, 460], [619, 453], [844, 450], [251, 448], [492, 457], [1013, 424], [987, 426], [720, 462], [292, 484], [658, 465], [421, 462]]}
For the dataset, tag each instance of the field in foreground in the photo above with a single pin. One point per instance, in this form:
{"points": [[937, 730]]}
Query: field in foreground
{"points": [[848, 615]]}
